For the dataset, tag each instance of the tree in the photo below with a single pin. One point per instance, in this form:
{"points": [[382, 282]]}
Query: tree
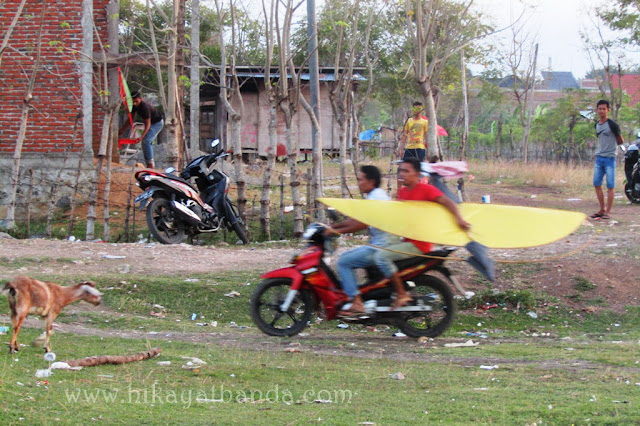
{"points": [[230, 92], [24, 119], [564, 126], [437, 30]]}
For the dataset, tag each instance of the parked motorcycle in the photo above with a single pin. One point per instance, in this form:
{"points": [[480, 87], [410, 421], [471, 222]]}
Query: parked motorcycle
{"points": [[283, 303], [177, 207], [632, 173]]}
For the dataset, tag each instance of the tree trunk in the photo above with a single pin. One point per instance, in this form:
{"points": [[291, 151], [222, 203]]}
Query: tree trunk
{"points": [[527, 128], [265, 199], [12, 26], [95, 183], [194, 90], [344, 188], [24, 119]]}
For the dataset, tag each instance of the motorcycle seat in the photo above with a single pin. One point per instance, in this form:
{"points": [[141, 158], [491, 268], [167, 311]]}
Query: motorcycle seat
{"points": [[179, 179], [419, 260]]}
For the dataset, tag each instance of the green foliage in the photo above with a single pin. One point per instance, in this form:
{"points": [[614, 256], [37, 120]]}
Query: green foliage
{"points": [[583, 284], [623, 15]]}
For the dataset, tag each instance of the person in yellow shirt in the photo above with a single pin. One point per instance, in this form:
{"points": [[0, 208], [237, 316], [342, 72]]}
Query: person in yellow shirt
{"points": [[414, 135]]}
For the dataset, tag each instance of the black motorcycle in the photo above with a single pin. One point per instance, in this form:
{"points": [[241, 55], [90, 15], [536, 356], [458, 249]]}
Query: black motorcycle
{"points": [[178, 208], [632, 174]]}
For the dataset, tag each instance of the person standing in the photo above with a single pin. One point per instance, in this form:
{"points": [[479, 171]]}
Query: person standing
{"points": [[609, 137], [414, 134], [153, 123]]}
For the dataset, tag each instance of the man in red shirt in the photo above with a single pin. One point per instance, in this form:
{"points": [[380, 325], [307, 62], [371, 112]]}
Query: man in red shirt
{"points": [[412, 189]]}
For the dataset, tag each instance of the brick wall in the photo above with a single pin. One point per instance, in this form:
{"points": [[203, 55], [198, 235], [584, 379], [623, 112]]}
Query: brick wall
{"points": [[57, 94]]}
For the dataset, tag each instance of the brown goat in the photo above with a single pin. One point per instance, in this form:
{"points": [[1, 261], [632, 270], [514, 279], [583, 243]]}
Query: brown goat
{"points": [[28, 296]]}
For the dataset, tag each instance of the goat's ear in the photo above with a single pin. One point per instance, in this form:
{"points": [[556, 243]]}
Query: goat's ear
{"points": [[89, 283]]}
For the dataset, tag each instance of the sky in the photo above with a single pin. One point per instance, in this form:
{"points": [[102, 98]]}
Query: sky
{"points": [[556, 24]]}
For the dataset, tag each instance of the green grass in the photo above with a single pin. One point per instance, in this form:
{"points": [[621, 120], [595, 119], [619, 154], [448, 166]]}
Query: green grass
{"points": [[271, 386], [563, 367]]}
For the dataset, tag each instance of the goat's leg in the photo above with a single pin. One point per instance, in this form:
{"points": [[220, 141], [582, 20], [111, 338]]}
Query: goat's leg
{"points": [[48, 325], [17, 321]]}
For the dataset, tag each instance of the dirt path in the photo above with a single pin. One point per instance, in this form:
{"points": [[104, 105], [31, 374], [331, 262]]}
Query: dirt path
{"points": [[606, 253]]}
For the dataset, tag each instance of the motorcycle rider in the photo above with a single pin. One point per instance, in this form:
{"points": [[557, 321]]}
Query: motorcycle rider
{"points": [[413, 189], [369, 179]]}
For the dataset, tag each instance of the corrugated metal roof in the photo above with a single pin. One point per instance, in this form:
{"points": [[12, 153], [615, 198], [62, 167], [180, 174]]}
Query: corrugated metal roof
{"points": [[558, 80]]}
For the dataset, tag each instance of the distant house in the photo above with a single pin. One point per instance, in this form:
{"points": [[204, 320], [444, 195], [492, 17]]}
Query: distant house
{"points": [[630, 85], [548, 89], [255, 119], [557, 81]]}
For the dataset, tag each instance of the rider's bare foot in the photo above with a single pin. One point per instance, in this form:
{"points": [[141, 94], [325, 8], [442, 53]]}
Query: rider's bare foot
{"points": [[401, 301]]}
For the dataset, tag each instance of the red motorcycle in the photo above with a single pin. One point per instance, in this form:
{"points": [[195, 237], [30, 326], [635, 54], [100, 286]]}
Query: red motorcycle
{"points": [[283, 303]]}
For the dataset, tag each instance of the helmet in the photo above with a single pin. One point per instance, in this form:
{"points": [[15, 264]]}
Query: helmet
{"points": [[313, 233]]}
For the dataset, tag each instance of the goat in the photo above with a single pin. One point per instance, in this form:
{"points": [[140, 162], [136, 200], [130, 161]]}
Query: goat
{"points": [[29, 296]]}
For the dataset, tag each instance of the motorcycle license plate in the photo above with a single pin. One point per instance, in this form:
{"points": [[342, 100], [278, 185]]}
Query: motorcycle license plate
{"points": [[143, 197]]}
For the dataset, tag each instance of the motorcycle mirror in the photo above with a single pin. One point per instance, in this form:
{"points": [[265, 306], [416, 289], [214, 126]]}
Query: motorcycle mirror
{"points": [[169, 170], [215, 143]]}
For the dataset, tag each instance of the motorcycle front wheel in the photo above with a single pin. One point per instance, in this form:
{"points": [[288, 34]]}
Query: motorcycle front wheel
{"points": [[631, 195], [265, 308], [435, 293], [163, 223], [238, 227]]}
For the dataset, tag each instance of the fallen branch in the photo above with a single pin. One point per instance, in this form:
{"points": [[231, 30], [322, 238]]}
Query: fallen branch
{"points": [[92, 361]]}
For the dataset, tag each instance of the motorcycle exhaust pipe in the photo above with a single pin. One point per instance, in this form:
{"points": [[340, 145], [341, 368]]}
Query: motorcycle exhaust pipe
{"points": [[188, 215]]}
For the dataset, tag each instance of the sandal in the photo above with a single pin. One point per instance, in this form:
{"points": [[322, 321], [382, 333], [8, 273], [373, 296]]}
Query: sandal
{"points": [[596, 215], [351, 313], [605, 216]]}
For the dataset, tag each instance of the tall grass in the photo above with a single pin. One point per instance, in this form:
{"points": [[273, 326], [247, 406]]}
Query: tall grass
{"points": [[567, 178]]}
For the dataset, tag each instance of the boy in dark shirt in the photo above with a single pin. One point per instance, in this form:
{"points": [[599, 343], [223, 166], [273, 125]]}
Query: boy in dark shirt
{"points": [[609, 138], [153, 123]]}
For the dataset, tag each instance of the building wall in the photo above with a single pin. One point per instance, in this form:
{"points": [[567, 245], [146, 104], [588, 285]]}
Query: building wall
{"points": [[56, 95], [255, 124], [56, 109]]}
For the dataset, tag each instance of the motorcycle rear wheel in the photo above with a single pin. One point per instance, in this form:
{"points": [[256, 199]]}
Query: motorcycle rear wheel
{"points": [[162, 222], [436, 294], [265, 308]]}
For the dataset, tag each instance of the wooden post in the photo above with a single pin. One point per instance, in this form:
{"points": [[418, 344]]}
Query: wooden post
{"points": [[281, 234], [32, 180], [128, 210], [308, 176]]}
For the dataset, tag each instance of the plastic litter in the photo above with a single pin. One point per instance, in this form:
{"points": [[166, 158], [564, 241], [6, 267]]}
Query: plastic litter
{"points": [[397, 376], [343, 325], [489, 367], [467, 344], [232, 294], [164, 363], [63, 366], [49, 356], [43, 373], [113, 256], [194, 316], [399, 334], [4, 330], [194, 360], [532, 314]]}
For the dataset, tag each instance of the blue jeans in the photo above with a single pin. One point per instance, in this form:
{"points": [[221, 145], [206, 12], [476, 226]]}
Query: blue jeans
{"points": [[147, 149], [359, 257], [605, 166], [415, 153]]}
